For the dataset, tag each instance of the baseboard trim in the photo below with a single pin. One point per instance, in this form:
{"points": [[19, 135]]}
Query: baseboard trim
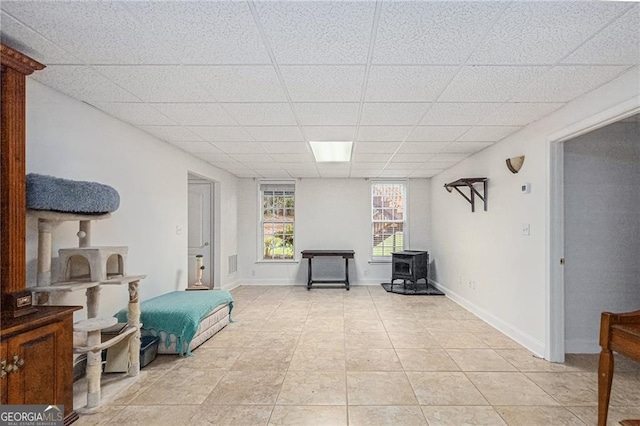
{"points": [[534, 345], [278, 281], [582, 346]]}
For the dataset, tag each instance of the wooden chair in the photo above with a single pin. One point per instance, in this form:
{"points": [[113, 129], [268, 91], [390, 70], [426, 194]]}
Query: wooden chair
{"points": [[619, 333]]}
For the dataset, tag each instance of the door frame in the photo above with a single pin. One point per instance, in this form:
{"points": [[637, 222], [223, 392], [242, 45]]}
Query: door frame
{"points": [[554, 298], [214, 228]]}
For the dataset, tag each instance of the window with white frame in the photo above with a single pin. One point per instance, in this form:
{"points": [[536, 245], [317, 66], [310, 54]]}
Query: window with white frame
{"points": [[277, 220], [388, 218]]}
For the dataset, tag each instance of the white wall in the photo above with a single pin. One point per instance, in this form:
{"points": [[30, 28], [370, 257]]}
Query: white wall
{"points": [[330, 214], [69, 139], [509, 269], [602, 230]]}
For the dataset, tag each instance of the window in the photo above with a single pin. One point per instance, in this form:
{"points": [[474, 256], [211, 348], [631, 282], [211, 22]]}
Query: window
{"points": [[388, 217], [277, 220]]}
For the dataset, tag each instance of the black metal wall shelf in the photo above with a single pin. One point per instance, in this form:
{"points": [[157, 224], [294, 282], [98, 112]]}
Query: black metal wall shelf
{"points": [[473, 192]]}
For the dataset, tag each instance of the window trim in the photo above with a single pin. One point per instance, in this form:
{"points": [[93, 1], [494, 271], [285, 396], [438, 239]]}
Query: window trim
{"points": [[405, 220], [260, 227]]}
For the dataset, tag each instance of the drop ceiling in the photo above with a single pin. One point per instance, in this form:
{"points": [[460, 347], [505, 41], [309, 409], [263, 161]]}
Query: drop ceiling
{"points": [[419, 86]]}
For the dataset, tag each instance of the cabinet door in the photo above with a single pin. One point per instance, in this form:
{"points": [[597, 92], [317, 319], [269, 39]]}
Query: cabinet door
{"points": [[36, 382], [3, 381]]}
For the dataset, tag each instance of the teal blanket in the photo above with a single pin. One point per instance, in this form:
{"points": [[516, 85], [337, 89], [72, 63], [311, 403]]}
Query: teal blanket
{"points": [[179, 313]]}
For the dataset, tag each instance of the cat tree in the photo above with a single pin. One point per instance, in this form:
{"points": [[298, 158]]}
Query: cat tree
{"points": [[89, 268]]}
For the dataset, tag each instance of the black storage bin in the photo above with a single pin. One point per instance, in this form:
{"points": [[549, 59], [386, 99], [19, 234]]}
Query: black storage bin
{"points": [[148, 349]]}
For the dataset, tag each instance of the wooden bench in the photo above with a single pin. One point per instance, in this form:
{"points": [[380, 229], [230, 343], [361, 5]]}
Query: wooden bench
{"points": [[619, 333]]}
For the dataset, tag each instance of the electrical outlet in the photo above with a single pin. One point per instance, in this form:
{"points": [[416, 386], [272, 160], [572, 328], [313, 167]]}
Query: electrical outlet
{"points": [[526, 229], [253, 273], [179, 229], [470, 284], [473, 285], [366, 272]]}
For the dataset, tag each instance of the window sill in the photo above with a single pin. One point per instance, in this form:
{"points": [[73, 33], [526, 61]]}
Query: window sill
{"points": [[278, 262]]}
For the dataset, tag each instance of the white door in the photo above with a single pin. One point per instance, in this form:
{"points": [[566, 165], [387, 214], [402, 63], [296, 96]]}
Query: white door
{"points": [[200, 235]]}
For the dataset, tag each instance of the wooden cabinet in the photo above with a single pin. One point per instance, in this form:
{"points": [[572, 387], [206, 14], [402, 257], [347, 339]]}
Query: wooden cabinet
{"points": [[38, 350], [4, 395]]}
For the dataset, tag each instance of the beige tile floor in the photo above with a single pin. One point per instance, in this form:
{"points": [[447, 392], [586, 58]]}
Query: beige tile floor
{"points": [[364, 357]]}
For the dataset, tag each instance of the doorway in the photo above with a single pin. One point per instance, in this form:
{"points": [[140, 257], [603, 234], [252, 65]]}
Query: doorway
{"points": [[555, 345], [200, 229]]}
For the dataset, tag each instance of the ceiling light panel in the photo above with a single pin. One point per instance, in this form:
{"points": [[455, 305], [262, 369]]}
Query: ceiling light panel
{"points": [[332, 151], [323, 83], [317, 32], [431, 32]]}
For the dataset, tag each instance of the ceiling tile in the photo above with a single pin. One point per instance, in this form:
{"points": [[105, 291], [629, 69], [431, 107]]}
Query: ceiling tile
{"points": [[441, 164], [392, 113], [221, 133], [135, 113], [564, 82], [542, 32], [409, 83], [424, 173], [310, 173], [200, 114], [254, 114], [97, 32], [372, 158], [172, 133], [619, 43], [413, 157], [368, 165], [458, 113], [25, 40], [218, 32], [490, 84], [82, 83], [488, 133], [298, 165], [402, 165], [244, 173], [273, 173], [275, 133], [317, 32], [395, 173], [285, 147], [293, 157], [220, 158], [252, 158], [431, 32], [310, 113], [376, 147], [383, 133], [324, 83], [197, 147], [466, 147], [519, 114], [263, 166], [446, 158], [437, 133], [239, 147], [422, 147], [330, 133], [157, 83], [364, 173], [237, 83]]}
